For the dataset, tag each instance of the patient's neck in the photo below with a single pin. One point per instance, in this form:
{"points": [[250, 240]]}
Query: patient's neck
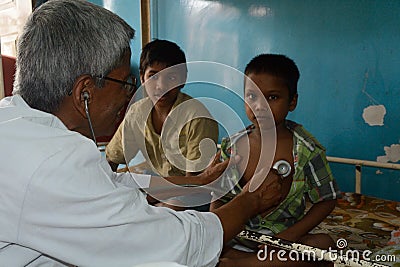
{"points": [[159, 115]]}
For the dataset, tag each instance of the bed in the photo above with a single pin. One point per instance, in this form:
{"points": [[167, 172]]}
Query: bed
{"points": [[367, 223], [364, 223], [365, 229]]}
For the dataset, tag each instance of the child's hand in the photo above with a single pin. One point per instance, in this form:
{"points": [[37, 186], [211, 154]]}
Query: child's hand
{"points": [[287, 235], [216, 168]]}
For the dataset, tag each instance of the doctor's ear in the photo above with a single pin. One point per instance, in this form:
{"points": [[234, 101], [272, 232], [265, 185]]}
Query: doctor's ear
{"points": [[82, 92]]}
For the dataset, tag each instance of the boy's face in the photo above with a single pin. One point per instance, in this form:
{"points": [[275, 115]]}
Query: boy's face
{"points": [[272, 90], [163, 84]]}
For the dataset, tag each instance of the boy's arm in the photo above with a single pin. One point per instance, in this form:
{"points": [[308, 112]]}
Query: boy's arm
{"points": [[197, 130], [114, 150], [313, 217]]}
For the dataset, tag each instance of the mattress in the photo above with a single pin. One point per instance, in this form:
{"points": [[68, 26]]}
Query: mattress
{"points": [[362, 223]]}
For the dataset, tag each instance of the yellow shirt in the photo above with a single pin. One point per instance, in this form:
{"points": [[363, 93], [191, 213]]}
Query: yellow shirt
{"points": [[177, 149]]}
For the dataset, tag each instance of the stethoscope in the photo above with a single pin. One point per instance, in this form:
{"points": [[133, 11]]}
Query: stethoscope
{"points": [[282, 167], [86, 100]]}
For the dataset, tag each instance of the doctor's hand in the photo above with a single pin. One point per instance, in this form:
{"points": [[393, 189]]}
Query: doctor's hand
{"points": [[268, 195], [239, 210], [216, 168]]}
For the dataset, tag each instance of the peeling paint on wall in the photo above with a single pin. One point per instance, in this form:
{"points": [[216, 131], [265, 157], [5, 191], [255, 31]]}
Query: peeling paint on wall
{"points": [[392, 154], [374, 114]]}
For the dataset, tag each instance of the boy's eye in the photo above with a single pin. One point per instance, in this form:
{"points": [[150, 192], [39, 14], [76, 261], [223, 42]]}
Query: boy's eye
{"points": [[153, 76], [250, 96], [171, 77], [272, 97]]}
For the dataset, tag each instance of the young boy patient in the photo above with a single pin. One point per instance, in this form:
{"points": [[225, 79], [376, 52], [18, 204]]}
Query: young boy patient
{"points": [[276, 77], [150, 128]]}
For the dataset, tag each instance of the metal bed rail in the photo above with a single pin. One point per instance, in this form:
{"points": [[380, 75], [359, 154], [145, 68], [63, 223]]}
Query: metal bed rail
{"points": [[358, 164]]}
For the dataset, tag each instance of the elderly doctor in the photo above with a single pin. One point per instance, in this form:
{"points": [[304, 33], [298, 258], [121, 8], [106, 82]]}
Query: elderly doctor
{"points": [[60, 203]]}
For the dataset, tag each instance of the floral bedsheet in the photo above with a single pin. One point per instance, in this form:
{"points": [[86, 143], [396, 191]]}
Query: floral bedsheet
{"points": [[363, 222]]}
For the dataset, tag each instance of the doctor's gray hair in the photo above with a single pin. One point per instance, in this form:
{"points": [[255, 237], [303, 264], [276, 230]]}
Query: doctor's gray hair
{"points": [[62, 40]]}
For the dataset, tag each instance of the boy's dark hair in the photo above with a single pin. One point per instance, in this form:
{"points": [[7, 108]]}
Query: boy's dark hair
{"points": [[161, 51], [277, 65]]}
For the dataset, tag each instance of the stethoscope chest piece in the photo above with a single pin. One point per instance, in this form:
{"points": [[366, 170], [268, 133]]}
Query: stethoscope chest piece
{"points": [[282, 167]]}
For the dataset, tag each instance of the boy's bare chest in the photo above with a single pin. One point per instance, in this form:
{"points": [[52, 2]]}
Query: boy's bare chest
{"points": [[283, 150]]}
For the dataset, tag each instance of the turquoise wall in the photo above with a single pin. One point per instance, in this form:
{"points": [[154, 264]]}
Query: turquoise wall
{"points": [[129, 10], [347, 53]]}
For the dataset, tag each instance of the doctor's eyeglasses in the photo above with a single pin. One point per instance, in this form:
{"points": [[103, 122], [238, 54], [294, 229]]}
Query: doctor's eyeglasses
{"points": [[129, 84]]}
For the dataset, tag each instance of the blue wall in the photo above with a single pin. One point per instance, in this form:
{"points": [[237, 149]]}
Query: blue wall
{"points": [[347, 53], [129, 10]]}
